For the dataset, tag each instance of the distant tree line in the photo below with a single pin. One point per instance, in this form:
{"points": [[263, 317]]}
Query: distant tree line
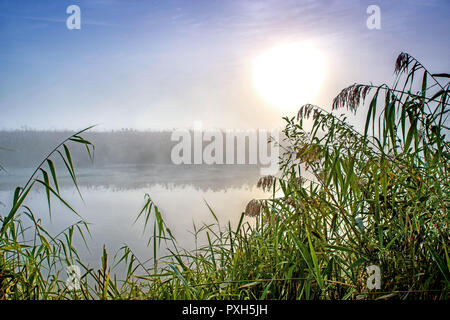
{"points": [[26, 148]]}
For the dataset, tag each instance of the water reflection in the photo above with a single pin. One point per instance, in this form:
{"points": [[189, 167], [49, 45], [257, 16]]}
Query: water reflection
{"points": [[112, 198], [123, 177]]}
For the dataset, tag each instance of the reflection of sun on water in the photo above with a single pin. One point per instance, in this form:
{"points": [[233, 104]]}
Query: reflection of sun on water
{"points": [[289, 75]]}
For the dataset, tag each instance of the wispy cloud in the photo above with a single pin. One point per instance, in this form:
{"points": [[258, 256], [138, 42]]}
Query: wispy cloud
{"points": [[57, 20]]}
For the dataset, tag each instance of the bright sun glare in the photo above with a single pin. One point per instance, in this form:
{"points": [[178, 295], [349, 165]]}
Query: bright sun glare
{"points": [[289, 75]]}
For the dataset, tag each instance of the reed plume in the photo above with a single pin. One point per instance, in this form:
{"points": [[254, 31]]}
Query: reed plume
{"points": [[265, 183], [253, 208]]}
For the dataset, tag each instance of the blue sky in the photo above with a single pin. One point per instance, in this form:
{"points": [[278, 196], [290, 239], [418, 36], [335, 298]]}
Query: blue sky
{"points": [[165, 64]]}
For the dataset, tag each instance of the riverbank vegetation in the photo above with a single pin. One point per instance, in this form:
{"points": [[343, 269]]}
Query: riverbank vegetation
{"points": [[345, 200]]}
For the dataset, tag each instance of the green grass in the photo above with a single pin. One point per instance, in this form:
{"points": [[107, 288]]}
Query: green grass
{"points": [[344, 200]]}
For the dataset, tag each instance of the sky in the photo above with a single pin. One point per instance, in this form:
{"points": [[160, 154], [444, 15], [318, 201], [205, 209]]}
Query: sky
{"points": [[151, 65]]}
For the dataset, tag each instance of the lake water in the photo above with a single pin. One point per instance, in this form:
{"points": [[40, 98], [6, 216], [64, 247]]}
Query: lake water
{"points": [[113, 197]]}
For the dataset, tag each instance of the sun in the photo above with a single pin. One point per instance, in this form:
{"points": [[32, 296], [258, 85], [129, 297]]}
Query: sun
{"points": [[289, 75]]}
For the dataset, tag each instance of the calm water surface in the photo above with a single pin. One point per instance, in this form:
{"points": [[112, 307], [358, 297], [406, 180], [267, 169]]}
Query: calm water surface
{"points": [[113, 196]]}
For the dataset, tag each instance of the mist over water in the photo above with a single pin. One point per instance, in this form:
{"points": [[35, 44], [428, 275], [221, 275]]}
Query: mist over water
{"points": [[113, 189]]}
